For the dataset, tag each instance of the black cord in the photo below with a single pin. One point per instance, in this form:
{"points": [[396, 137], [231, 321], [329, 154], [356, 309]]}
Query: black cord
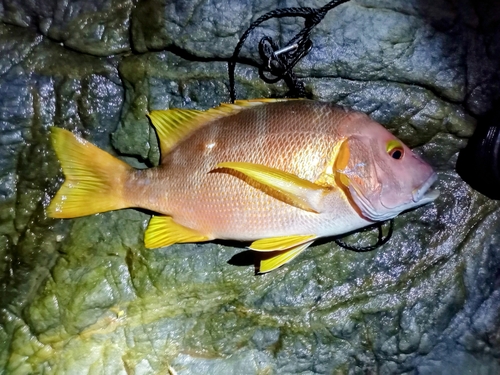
{"points": [[381, 240], [281, 65]]}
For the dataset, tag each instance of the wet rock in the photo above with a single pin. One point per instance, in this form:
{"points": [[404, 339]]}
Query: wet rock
{"points": [[427, 302], [99, 28]]}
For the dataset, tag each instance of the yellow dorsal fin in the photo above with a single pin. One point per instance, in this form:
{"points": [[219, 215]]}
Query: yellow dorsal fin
{"points": [[254, 102], [281, 243], [164, 231], [300, 193], [172, 125], [271, 261]]}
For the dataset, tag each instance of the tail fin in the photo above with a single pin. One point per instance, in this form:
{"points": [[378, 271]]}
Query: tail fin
{"points": [[94, 179]]}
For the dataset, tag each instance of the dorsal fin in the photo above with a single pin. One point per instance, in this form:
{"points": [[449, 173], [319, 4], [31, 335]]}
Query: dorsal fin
{"points": [[173, 125]]}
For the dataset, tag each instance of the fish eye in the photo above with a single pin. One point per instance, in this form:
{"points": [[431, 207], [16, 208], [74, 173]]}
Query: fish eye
{"points": [[395, 149], [396, 154]]}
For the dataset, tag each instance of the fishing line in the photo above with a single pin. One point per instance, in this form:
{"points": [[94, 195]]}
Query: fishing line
{"points": [[381, 240], [278, 64]]}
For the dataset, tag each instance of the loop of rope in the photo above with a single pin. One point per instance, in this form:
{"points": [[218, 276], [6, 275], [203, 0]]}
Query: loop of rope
{"points": [[279, 62], [280, 65], [381, 240]]}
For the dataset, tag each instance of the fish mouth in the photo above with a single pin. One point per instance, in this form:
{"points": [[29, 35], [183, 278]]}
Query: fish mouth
{"points": [[420, 196], [423, 194]]}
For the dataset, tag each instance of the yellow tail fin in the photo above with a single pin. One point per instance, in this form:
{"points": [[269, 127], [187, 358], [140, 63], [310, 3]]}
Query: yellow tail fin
{"points": [[94, 179]]}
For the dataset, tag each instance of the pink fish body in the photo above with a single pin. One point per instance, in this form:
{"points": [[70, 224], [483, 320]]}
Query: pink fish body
{"points": [[279, 173]]}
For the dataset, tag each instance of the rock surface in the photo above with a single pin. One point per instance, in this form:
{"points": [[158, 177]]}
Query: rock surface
{"points": [[85, 296]]}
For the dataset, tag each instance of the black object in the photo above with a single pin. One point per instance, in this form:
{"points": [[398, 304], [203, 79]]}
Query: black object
{"points": [[381, 240], [280, 62], [479, 163]]}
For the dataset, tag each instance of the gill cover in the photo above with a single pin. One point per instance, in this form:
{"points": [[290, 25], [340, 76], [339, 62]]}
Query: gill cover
{"points": [[357, 173]]}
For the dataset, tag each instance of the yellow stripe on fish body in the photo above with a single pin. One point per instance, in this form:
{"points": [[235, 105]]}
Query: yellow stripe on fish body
{"points": [[276, 172], [298, 192]]}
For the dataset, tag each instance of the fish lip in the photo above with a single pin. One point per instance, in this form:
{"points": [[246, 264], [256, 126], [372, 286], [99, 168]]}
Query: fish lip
{"points": [[422, 194]]}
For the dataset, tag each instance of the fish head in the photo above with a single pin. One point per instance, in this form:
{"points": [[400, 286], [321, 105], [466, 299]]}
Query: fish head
{"points": [[382, 175]]}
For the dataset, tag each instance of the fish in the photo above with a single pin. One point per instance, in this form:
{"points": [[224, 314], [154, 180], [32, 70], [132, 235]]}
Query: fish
{"points": [[279, 173]]}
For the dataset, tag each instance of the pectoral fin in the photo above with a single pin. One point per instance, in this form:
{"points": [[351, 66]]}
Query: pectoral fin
{"points": [[271, 261], [281, 243], [298, 192], [164, 231]]}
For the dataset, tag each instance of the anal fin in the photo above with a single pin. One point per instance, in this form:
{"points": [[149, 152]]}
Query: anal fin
{"points": [[281, 243], [164, 231], [271, 261]]}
